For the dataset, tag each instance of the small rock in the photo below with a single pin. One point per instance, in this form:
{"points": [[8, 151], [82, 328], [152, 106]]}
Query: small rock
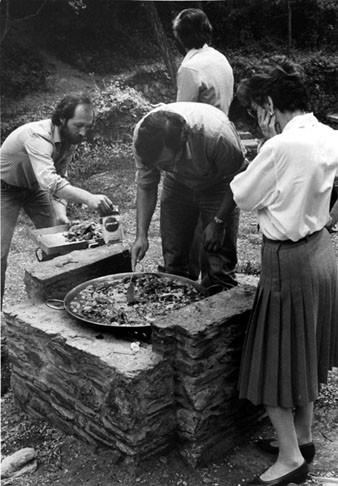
{"points": [[135, 347], [21, 462]]}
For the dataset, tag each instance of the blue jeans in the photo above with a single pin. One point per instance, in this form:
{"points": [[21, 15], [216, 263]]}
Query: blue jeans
{"points": [[35, 203], [181, 208]]}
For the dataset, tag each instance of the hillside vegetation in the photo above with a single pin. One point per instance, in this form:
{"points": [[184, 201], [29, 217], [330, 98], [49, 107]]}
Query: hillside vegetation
{"points": [[109, 49]]}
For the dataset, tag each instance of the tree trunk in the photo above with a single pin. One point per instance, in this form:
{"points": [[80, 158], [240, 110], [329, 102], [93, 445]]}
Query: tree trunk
{"points": [[162, 40], [289, 28], [6, 22]]}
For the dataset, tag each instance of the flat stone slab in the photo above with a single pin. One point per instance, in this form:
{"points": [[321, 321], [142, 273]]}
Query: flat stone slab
{"points": [[54, 278], [59, 326]]}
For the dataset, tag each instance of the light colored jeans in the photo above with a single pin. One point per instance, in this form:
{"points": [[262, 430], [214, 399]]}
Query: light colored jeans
{"points": [[35, 203], [181, 208]]}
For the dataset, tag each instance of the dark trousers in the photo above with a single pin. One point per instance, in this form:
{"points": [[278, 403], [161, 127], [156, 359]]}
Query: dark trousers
{"points": [[181, 209], [36, 204]]}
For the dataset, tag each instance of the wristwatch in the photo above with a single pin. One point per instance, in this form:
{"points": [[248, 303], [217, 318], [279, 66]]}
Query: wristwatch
{"points": [[218, 221]]}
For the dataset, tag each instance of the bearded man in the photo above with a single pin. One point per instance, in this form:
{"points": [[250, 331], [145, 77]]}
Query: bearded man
{"points": [[34, 162]]}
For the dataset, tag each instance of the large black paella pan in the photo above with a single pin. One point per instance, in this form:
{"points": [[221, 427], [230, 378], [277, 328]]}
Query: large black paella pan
{"points": [[104, 301]]}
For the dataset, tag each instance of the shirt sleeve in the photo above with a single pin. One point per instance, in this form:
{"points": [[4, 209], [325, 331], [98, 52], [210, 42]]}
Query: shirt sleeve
{"points": [[147, 178], [228, 152], [257, 187], [188, 84], [40, 153]]}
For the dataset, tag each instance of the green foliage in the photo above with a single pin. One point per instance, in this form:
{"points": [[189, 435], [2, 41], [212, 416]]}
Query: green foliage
{"points": [[322, 74], [250, 268], [101, 156], [22, 70], [241, 24], [11, 119], [99, 38], [118, 108]]}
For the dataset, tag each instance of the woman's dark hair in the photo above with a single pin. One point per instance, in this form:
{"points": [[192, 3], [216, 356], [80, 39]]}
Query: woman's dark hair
{"points": [[243, 93], [282, 80], [66, 107], [160, 129], [192, 28]]}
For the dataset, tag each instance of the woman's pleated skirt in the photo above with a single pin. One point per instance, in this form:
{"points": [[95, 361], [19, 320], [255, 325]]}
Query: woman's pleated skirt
{"points": [[292, 337]]}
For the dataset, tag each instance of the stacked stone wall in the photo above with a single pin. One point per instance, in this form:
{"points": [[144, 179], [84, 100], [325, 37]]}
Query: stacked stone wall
{"points": [[97, 390], [204, 343]]}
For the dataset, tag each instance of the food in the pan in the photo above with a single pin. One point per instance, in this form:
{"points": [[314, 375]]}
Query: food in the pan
{"points": [[86, 230], [106, 303]]}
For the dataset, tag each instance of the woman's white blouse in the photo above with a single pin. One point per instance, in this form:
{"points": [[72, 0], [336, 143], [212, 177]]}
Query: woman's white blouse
{"points": [[290, 181]]}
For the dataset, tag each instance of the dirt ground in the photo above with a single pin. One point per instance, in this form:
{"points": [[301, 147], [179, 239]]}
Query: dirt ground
{"points": [[65, 461]]}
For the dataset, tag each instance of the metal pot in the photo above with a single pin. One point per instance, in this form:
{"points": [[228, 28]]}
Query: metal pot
{"points": [[73, 295]]}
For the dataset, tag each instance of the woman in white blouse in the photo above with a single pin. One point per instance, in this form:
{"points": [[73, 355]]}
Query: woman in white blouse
{"points": [[292, 337]]}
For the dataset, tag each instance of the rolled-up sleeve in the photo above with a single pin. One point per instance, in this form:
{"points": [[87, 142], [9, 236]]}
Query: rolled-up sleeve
{"points": [[40, 152], [257, 187], [147, 178]]}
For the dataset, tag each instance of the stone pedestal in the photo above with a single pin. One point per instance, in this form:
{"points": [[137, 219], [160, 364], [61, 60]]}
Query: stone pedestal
{"points": [[5, 365], [178, 391], [203, 343], [91, 384]]}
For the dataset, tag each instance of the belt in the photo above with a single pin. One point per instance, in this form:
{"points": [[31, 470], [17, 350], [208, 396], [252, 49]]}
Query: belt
{"points": [[4, 185], [291, 242], [9, 187]]}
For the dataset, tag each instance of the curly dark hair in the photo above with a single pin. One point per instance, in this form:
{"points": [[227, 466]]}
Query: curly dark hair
{"points": [[192, 28], [160, 129], [66, 107], [281, 79]]}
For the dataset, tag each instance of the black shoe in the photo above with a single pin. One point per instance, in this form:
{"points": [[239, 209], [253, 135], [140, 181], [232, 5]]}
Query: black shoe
{"points": [[307, 450], [297, 476]]}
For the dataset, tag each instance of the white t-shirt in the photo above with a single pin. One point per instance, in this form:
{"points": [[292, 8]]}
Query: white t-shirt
{"points": [[205, 76], [290, 181]]}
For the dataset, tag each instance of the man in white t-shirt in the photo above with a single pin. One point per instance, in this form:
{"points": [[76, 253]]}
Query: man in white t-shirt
{"points": [[205, 76]]}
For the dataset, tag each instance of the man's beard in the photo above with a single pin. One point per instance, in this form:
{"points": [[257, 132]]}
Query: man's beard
{"points": [[67, 137]]}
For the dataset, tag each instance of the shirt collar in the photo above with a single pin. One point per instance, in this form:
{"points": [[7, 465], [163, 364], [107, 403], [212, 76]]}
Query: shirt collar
{"points": [[301, 121], [56, 134], [194, 51]]}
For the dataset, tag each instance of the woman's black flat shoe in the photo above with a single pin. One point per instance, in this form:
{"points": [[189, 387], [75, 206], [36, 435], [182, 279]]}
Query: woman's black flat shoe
{"points": [[297, 476], [307, 450]]}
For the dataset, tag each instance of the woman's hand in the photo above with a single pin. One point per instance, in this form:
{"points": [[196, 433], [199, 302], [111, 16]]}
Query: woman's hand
{"points": [[267, 122]]}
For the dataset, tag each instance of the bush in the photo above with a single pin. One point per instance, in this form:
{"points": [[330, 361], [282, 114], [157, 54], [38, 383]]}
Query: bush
{"points": [[118, 108], [22, 70]]}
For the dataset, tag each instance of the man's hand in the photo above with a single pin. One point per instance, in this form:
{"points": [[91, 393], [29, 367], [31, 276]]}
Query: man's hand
{"points": [[213, 236], [101, 203], [60, 212], [138, 250]]}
